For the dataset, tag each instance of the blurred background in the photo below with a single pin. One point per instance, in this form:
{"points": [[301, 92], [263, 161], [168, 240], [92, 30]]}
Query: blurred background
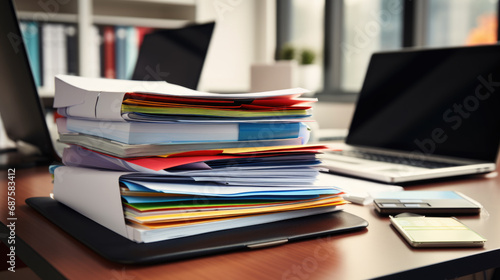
{"points": [[320, 45]]}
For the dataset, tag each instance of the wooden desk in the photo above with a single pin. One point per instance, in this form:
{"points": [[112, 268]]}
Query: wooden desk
{"points": [[375, 252]]}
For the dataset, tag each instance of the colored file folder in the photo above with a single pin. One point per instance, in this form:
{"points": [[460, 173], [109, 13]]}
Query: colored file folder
{"points": [[164, 133], [102, 99], [271, 157], [123, 150], [96, 195]]}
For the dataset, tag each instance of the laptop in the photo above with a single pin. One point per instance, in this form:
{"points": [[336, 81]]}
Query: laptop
{"points": [[174, 55], [21, 111], [424, 114]]}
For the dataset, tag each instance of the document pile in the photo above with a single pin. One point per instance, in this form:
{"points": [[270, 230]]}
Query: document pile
{"points": [[154, 161]]}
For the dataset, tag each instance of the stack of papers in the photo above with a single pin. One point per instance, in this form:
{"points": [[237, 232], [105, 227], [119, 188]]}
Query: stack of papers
{"points": [[129, 112], [185, 162], [166, 202]]}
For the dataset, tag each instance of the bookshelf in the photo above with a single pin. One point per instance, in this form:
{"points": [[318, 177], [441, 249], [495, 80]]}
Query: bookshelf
{"points": [[84, 14], [245, 30], [153, 13]]}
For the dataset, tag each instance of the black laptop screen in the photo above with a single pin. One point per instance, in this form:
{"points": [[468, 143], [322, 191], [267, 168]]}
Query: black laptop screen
{"points": [[431, 102], [20, 107], [174, 55]]}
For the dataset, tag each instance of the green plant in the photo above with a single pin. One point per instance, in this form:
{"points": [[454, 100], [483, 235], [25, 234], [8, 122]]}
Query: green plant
{"points": [[287, 52], [307, 56]]}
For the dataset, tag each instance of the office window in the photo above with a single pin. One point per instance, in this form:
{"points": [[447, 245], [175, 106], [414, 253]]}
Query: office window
{"points": [[465, 22], [306, 36], [368, 26], [307, 25], [354, 29]]}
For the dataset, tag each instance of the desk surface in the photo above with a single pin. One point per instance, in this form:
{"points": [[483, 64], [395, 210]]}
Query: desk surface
{"points": [[375, 252]]}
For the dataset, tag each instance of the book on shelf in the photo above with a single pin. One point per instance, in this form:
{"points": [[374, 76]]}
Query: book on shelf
{"points": [[113, 50], [119, 49], [72, 60], [31, 35], [53, 49], [120, 54], [109, 52], [95, 55], [131, 50]]}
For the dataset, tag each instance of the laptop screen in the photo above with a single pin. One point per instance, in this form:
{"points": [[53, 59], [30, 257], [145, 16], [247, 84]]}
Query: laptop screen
{"points": [[174, 55], [431, 102], [20, 106]]}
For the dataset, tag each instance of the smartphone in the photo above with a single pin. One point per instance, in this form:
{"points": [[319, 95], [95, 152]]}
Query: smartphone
{"points": [[424, 231], [425, 202]]}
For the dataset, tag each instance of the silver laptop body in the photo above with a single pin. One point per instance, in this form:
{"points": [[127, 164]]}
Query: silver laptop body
{"points": [[424, 114]]}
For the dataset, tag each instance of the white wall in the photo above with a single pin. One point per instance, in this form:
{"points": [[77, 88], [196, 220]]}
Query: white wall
{"points": [[243, 33], [333, 115]]}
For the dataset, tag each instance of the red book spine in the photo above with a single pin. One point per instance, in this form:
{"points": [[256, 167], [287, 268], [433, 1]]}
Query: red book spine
{"points": [[141, 32], [109, 52]]}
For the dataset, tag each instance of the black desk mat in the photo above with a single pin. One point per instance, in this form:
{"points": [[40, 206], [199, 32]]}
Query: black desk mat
{"points": [[117, 248]]}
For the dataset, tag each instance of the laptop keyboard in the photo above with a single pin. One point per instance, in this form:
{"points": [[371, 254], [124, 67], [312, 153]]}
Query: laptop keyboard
{"points": [[393, 159]]}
